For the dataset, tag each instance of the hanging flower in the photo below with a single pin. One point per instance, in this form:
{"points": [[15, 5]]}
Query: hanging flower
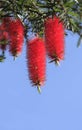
{"points": [[3, 36], [54, 38], [6, 23], [36, 57], [16, 37]]}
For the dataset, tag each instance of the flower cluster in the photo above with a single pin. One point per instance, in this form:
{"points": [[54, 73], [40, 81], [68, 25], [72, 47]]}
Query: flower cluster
{"points": [[36, 56], [3, 37], [12, 33], [16, 37], [54, 38], [54, 45]]}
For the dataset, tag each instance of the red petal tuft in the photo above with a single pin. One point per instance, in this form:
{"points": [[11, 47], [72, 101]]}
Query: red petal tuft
{"points": [[36, 56], [54, 38], [16, 36], [3, 36]]}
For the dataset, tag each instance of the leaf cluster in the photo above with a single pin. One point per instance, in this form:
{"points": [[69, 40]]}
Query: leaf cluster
{"points": [[36, 11]]}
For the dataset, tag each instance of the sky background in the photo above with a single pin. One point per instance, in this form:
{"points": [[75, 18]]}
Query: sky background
{"points": [[59, 107]]}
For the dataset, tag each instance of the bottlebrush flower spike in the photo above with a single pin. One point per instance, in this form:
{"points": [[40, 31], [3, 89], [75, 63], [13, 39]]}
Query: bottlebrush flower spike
{"points": [[3, 33], [6, 22], [16, 37], [36, 56], [54, 38], [3, 37]]}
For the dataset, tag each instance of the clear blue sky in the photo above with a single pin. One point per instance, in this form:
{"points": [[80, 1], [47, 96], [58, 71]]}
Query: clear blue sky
{"points": [[59, 107]]}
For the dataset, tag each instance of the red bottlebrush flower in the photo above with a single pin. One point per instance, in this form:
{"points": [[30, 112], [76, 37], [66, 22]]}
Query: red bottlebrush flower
{"points": [[54, 38], [16, 36], [6, 22], [36, 56], [3, 33], [3, 37]]}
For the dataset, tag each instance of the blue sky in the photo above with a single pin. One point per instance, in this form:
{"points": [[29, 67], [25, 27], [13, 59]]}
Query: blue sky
{"points": [[59, 107]]}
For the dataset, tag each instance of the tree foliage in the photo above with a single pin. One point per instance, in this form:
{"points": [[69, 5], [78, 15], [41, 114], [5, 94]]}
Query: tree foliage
{"points": [[35, 12]]}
